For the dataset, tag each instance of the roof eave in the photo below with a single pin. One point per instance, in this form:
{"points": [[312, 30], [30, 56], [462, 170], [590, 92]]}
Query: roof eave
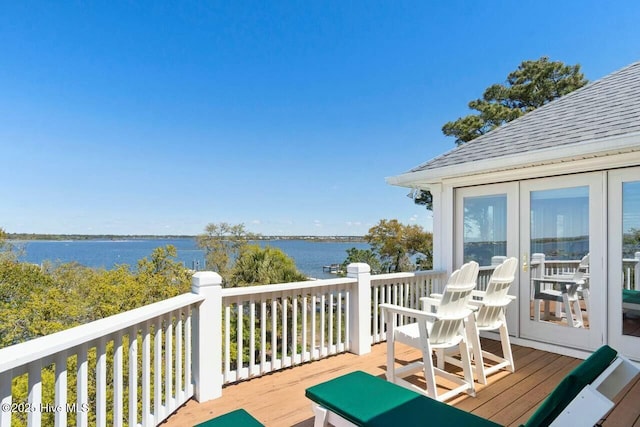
{"points": [[586, 149]]}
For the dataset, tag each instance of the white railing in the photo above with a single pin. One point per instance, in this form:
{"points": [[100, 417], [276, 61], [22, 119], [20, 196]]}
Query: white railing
{"points": [[404, 289], [631, 272], [148, 378], [283, 325], [630, 269], [137, 367]]}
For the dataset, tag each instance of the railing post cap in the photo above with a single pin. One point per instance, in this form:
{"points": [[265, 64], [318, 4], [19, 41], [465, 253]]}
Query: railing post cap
{"points": [[206, 278], [358, 267]]}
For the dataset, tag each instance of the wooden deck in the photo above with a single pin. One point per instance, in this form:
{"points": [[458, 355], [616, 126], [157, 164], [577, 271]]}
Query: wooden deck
{"points": [[278, 399]]}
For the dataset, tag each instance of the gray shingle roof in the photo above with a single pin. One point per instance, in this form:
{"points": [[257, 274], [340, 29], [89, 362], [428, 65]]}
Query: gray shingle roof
{"points": [[604, 108]]}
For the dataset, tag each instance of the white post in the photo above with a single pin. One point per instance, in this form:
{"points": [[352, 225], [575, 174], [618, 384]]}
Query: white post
{"points": [[360, 309], [207, 336], [438, 230], [537, 262], [636, 273]]}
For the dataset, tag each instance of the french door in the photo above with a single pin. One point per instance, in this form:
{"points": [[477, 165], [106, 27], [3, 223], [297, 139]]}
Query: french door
{"points": [[624, 261], [487, 232], [562, 286]]}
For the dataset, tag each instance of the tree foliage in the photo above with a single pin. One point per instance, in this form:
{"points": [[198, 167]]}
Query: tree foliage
{"points": [[222, 244], [396, 243], [37, 301], [367, 256], [264, 266], [8, 250], [632, 237], [229, 252], [532, 85]]}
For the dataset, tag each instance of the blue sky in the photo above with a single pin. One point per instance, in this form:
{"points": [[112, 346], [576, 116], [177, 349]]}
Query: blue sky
{"points": [[159, 118]]}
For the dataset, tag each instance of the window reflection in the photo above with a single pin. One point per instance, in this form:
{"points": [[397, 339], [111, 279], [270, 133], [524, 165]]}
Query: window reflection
{"points": [[485, 228], [560, 223], [631, 258], [559, 244]]}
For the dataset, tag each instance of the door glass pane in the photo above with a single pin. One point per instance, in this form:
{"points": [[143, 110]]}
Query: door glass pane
{"points": [[631, 258], [559, 256], [485, 228]]}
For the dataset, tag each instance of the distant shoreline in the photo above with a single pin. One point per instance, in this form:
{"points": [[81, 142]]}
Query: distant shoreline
{"points": [[35, 236]]}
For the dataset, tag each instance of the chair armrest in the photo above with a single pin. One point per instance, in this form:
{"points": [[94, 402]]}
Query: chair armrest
{"points": [[409, 312], [475, 304], [478, 294], [558, 281]]}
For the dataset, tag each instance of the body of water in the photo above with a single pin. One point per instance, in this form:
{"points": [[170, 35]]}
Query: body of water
{"points": [[309, 256]]}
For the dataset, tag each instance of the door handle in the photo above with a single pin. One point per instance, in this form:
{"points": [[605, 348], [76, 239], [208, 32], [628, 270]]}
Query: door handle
{"points": [[525, 262]]}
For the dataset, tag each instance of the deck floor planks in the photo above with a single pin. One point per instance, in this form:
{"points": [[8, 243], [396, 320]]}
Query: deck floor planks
{"points": [[626, 410], [505, 409], [277, 399], [527, 361]]}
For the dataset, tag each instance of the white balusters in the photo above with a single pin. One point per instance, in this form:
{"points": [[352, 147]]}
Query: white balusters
{"points": [[92, 351], [157, 370], [35, 393], [404, 289], [101, 383], [118, 373], [60, 388], [6, 399]]}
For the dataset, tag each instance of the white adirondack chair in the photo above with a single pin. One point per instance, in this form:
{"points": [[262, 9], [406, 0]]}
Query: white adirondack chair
{"points": [[564, 290], [434, 331], [490, 316], [490, 306], [583, 290]]}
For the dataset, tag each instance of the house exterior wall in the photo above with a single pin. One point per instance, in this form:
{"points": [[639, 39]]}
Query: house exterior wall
{"points": [[446, 229]]}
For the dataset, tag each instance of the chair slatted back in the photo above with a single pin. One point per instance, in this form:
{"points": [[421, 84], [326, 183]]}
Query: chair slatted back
{"points": [[456, 294], [453, 307], [495, 297]]}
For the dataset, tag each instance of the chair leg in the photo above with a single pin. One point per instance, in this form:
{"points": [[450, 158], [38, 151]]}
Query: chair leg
{"points": [[429, 372], [321, 415], [473, 338], [568, 310], [547, 309], [578, 310], [440, 358], [506, 345], [466, 367], [391, 358], [585, 297]]}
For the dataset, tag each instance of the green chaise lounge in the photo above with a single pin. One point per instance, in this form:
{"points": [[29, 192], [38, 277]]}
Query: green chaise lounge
{"points": [[631, 299], [361, 399], [237, 418]]}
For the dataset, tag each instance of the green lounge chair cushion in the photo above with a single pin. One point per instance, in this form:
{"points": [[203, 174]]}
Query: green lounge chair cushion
{"points": [[631, 296], [571, 385], [237, 418], [366, 400]]}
